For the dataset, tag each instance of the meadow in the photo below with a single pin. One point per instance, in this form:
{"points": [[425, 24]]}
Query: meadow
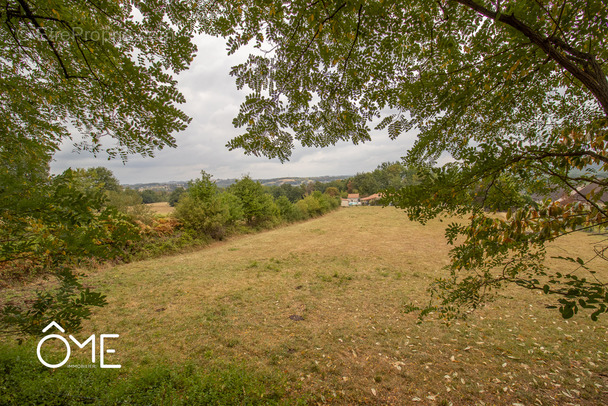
{"points": [[162, 208], [313, 313]]}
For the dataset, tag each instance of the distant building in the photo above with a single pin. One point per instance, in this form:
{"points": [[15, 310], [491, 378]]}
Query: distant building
{"points": [[572, 196], [353, 199], [577, 195], [371, 199]]}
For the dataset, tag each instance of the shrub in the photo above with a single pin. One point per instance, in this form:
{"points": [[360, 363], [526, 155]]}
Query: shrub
{"points": [[330, 202], [203, 217], [234, 208], [287, 210], [313, 205], [57, 228], [175, 196], [258, 206], [302, 209], [203, 210]]}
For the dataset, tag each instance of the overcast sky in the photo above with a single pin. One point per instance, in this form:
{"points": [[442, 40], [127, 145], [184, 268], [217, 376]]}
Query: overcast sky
{"points": [[212, 101]]}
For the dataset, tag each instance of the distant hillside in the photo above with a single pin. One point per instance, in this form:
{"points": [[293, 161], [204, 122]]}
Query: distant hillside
{"points": [[294, 181], [168, 186]]}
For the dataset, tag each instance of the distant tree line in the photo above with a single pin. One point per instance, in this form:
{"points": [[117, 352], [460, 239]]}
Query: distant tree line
{"points": [[385, 176], [503, 193]]}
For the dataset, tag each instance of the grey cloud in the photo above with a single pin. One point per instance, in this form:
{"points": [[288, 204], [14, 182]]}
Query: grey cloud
{"points": [[212, 101]]}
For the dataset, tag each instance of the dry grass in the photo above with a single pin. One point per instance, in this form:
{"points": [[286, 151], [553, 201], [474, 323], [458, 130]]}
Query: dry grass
{"points": [[160, 208], [322, 302]]}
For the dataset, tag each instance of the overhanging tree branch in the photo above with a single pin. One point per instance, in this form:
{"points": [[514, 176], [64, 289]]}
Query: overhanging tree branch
{"points": [[593, 79]]}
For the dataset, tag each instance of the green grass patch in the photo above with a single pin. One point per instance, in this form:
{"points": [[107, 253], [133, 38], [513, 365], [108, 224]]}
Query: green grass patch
{"points": [[24, 381]]}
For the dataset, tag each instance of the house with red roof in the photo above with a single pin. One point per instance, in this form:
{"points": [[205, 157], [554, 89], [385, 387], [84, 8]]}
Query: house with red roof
{"points": [[371, 199], [351, 200]]}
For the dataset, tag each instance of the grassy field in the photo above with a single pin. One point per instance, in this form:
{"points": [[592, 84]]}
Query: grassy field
{"points": [[317, 308], [160, 208]]}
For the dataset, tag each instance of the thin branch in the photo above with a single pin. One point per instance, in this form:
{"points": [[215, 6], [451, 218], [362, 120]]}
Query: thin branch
{"points": [[16, 38], [105, 12], [50, 43], [350, 51], [487, 191], [315, 37], [576, 230], [86, 61], [595, 80], [559, 19], [548, 154], [487, 58], [526, 285], [556, 22], [295, 66], [566, 181], [69, 27], [36, 16]]}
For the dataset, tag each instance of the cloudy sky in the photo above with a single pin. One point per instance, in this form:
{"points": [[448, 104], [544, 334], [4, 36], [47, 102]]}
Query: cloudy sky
{"points": [[212, 101]]}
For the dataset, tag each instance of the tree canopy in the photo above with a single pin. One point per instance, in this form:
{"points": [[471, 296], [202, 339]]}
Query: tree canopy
{"points": [[101, 68], [512, 92]]}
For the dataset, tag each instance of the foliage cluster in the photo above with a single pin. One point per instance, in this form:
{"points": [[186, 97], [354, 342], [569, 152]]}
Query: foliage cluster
{"points": [[154, 196], [102, 70], [49, 226]]}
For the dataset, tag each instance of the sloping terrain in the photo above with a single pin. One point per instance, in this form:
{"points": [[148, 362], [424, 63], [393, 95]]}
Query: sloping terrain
{"points": [[320, 303]]}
